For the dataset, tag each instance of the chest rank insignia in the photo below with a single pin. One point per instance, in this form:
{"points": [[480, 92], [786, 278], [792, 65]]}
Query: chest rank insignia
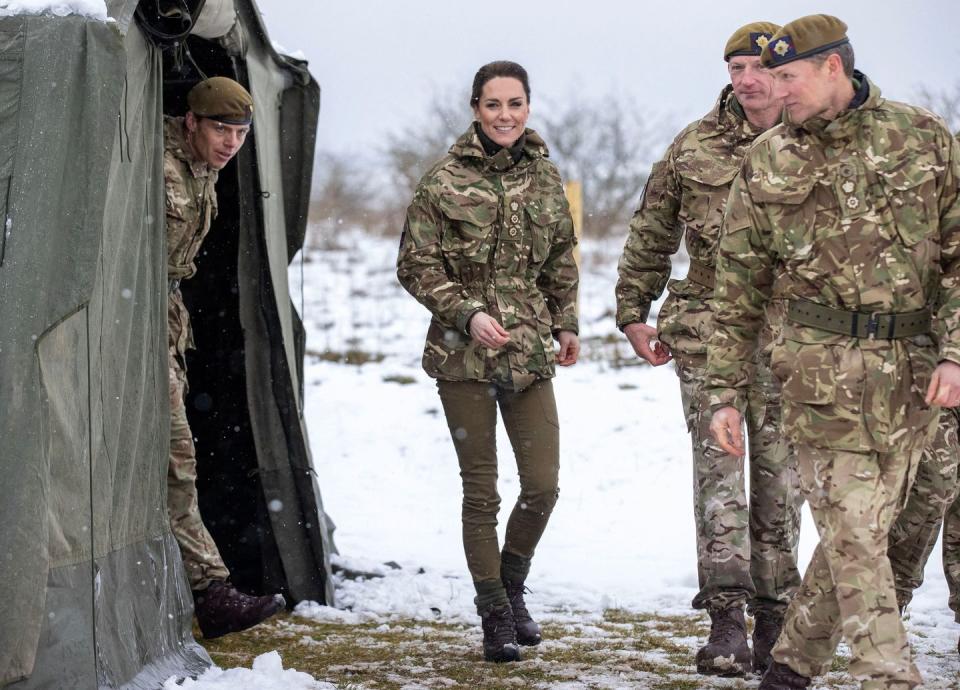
{"points": [[852, 202], [848, 186]]}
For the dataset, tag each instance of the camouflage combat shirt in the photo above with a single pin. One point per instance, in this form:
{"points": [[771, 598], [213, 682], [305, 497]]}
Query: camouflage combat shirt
{"points": [[859, 213], [685, 196], [484, 233], [191, 206]]}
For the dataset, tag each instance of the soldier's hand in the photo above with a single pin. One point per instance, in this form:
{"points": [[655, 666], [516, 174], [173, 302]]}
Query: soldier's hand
{"points": [[944, 388], [726, 427], [569, 348], [485, 330], [643, 338]]}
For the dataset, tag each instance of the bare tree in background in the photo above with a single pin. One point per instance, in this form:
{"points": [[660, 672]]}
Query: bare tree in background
{"points": [[609, 146], [945, 103], [343, 194]]}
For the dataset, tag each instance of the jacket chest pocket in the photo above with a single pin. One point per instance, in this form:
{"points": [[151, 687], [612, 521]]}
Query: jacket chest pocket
{"points": [[468, 233], [704, 199], [797, 209], [543, 216], [910, 198]]}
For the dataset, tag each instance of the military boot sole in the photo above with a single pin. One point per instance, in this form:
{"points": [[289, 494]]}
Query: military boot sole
{"points": [[505, 654], [725, 666]]}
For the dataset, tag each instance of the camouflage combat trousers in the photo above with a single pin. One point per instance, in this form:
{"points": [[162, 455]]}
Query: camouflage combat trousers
{"points": [[848, 587], [201, 557], [951, 554], [745, 553], [915, 531], [530, 417]]}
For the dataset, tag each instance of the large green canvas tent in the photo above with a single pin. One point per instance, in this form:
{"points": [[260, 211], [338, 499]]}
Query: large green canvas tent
{"points": [[94, 593]]}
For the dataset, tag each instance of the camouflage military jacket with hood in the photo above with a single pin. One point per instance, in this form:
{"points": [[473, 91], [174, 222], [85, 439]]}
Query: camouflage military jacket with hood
{"points": [[191, 206], [859, 213], [484, 233], [685, 196]]}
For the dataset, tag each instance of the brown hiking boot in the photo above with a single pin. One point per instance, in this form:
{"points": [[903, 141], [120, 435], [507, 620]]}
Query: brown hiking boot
{"points": [[499, 635], [726, 652], [528, 632], [222, 609], [782, 677], [766, 629]]}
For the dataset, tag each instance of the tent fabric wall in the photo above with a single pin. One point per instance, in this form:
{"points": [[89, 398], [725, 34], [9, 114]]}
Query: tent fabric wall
{"points": [[301, 527], [94, 592]]}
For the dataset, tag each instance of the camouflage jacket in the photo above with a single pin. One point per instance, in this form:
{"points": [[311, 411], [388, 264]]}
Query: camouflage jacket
{"points": [[860, 213], [685, 195], [487, 234], [191, 206]]}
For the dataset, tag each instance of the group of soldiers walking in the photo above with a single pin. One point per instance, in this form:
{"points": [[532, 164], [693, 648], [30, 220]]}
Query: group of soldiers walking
{"points": [[821, 307]]}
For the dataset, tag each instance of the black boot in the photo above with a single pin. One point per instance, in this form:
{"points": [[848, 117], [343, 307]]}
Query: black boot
{"points": [[726, 652], [499, 637], [221, 609], [782, 677], [766, 629], [528, 632]]}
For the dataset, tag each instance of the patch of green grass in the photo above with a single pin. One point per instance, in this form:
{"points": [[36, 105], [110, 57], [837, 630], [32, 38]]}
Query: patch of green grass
{"points": [[400, 378], [352, 356]]}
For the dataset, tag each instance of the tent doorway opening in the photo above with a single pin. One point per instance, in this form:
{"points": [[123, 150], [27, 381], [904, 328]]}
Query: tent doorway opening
{"points": [[228, 483]]}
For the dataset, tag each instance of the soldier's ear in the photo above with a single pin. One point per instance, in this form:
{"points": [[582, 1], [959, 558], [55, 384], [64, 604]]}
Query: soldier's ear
{"points": [[191, 121]]}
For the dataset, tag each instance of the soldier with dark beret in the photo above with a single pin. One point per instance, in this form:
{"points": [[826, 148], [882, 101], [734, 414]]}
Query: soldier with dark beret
{"points": [[849, 211], [196, 147], [746, 551], [487, 247]]}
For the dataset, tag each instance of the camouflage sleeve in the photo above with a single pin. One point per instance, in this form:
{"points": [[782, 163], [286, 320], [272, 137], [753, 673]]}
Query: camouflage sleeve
{"points": [[949, 298], [421, 268], [745, 265], [653, 238], [559, 278]]}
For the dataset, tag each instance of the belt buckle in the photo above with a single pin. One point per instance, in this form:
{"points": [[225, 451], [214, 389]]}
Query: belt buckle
{"points": [[873, 325]]}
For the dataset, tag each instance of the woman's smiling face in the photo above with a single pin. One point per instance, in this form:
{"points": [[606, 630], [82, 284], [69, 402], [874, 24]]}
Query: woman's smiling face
{"points": [[503, 110]]}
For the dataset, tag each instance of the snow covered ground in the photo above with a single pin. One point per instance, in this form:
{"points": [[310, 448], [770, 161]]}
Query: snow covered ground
{"points": [[622, 533]]}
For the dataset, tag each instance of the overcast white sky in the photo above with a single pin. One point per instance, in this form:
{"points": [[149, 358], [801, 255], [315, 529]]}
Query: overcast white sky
{"points": [[379, 63]]}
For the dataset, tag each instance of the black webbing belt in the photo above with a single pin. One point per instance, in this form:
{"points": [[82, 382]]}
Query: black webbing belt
{"points": [[701, 274], [859, 324]]}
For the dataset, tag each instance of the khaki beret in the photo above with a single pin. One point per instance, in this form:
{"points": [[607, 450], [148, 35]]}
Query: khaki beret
{"points": [[749, 39], [221, 99], [804, 37]]}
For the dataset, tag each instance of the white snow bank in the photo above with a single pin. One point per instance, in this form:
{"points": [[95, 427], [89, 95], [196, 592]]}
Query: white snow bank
{"points": [[267, 674], [95, 9]]}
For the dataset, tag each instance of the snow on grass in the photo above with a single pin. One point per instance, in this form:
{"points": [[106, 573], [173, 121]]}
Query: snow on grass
{"points": [[267, 673]]}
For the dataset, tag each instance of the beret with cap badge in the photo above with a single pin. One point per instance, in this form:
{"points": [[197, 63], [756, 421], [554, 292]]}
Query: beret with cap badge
{"points": [[803, 38], [221, 99], [749, 39]]}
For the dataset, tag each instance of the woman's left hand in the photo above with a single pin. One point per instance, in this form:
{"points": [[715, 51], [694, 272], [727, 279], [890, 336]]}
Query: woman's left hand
{"points": [[569, 348]]}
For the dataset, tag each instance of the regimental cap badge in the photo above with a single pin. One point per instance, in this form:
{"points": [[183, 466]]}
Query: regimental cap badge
{"points": [[783, 46], [749, 39]]}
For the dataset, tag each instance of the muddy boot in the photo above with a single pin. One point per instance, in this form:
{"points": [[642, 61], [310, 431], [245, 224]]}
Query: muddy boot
{"points": [[221, 609], [782, 677], [766, 630], [499, 637], [726, 652]]}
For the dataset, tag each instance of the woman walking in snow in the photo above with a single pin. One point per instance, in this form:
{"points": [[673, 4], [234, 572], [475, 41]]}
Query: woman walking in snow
{"points": [[487, 247]]}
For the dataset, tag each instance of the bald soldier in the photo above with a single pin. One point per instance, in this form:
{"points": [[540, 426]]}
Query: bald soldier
{"points": [[746, 555], [849, 212], [196, 147]]}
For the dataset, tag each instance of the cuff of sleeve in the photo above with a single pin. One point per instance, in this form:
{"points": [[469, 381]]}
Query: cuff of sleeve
{"points": [[628, 315], [465, 313], [569, 324], [950, 353]]}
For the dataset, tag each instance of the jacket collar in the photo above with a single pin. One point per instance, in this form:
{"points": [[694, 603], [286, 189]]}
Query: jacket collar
{"points": [[468, 147], [844, 125]]}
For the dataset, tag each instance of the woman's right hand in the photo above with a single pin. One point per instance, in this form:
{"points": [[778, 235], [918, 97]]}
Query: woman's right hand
{"points": [[485, 330]]}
